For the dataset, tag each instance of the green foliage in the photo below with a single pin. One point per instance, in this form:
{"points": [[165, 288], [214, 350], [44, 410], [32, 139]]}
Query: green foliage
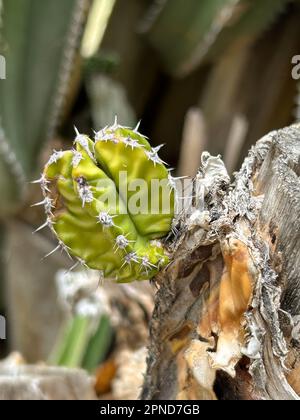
{"points": [[90, 196], [83, 343], [180, 30], [252, 20], [187, 32], [37, 39]]}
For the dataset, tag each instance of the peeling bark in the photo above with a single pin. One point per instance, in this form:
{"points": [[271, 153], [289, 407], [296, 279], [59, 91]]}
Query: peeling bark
{"points": [[226, 323]]}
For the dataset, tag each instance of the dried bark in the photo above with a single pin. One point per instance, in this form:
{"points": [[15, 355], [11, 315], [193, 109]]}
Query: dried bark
{"points": [[225, 319]]}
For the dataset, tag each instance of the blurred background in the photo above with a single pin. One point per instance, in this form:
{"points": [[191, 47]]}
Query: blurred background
{"points": [[201, 75]]}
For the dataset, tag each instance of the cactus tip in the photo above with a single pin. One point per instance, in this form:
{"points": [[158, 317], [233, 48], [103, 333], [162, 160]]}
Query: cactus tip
{"points": [[76, 131], [158, 148], [83, 141], [136, 130], [115, 125]]}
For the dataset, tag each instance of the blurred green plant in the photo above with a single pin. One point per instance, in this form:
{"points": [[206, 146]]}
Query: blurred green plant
{"points": [[107, 96], [39, 41], [185, 33], [83, 342]]}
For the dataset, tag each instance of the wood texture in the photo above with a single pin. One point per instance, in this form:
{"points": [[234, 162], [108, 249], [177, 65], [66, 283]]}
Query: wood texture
{"points": [[226, 318]]}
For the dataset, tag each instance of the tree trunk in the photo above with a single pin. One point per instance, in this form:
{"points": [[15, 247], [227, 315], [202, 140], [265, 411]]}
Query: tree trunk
{"points": [[226, 323]]}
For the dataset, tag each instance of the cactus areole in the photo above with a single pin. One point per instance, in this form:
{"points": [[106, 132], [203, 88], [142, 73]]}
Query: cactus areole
{"points": [[109, 202]]}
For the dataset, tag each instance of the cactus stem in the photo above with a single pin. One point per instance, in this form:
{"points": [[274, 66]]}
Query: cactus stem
{"points": [[75, 180]]}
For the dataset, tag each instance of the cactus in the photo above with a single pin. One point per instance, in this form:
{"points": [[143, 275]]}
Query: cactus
{"points": [[77, 187]]}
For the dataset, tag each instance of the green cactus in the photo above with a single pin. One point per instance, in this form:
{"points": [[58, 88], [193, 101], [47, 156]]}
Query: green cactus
{"points": [[78, 188]]}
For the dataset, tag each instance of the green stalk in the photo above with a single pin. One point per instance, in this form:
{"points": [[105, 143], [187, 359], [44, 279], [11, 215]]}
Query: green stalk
{"points": [[99, 345], [72, 343]]}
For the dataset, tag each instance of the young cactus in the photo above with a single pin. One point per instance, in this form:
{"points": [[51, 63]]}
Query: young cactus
{"points": [[91, 202]]}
